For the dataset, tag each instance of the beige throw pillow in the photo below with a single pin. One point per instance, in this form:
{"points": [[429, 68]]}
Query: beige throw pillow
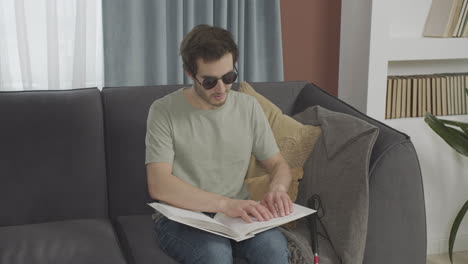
{"points": [[295, 141], [258, 186]]}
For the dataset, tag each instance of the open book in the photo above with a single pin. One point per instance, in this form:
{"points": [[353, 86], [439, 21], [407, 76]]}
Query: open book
{"points": [[233, 228]]}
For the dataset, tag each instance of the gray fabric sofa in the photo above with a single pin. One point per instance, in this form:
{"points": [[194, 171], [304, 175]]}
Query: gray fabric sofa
{"points": [[73, 184]]}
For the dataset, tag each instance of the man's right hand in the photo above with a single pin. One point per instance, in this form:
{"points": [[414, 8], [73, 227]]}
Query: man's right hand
{"points": [[245, 209]]}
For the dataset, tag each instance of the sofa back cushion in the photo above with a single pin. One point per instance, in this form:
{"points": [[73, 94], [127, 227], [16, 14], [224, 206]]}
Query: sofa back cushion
{"points": [[52, 164], [313, 95], [125, 112]]}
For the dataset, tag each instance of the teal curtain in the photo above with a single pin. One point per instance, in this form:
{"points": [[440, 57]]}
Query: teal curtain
{"points": [[142, 38]]}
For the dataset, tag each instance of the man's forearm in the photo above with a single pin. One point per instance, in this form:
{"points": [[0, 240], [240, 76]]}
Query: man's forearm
{"points": [[276, 199], [176, 192], [280, 177]]}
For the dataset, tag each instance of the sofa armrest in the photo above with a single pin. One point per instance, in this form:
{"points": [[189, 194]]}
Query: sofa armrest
{"points": [[397, 218]]}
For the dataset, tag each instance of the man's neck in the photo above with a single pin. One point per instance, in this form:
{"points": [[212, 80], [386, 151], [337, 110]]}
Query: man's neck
{"points": [[195, 100]]}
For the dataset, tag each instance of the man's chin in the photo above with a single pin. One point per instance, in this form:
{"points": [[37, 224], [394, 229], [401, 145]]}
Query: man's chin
{"points": [[218, 102]]}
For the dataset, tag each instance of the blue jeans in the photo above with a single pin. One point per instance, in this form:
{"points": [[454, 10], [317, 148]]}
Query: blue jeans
{"points": [[186, 244]]}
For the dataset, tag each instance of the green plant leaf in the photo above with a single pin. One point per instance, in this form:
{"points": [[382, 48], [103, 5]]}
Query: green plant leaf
{"points": [[455, 226], [455, 138], [462, 125], [458, 132], [454, 123], [465, 130]]}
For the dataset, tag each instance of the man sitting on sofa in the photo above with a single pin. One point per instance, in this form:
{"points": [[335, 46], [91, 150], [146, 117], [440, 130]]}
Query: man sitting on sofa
{"points": [[198, 145]]}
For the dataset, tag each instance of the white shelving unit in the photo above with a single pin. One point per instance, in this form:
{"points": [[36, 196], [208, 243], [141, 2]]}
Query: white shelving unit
{"points": [[382, 38], [385, 37], [413, 49]]}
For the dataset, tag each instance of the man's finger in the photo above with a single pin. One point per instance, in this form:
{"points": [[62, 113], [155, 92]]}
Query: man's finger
{"points": [[246, 217], [252, 210], [272, 208], [287, 204], [280, 205], [291, 207], [264, 211], [284, 198], [267, 209]]}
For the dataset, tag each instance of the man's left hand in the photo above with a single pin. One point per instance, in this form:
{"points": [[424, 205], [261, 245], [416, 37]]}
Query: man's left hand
{"points": [[278, 202]]}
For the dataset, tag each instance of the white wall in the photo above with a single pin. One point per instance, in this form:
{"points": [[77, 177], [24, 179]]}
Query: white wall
{"points": [[445, 177], [381, 38], [355, 39]]}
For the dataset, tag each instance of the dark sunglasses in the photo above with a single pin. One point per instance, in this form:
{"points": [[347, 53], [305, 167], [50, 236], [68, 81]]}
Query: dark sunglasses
{"points": [[210, 82]]}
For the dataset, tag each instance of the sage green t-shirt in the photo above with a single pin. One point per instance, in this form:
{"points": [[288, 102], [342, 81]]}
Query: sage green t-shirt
{"points": [[209, 149]]}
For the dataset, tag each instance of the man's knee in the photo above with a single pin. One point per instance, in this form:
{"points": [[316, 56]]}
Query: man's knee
{"points": [[270, 247], [215, 252]]}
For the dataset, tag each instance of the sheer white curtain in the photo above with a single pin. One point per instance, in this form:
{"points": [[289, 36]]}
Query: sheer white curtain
{"points": [[50, 44]]}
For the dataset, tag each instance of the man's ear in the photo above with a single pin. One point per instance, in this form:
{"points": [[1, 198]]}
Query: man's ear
{"points": [[189, 74]]}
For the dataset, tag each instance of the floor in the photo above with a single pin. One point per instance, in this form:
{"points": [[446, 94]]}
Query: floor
{"points": [[459, 257]]}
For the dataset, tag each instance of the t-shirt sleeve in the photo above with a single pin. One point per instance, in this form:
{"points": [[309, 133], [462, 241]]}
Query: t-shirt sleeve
{"points": [[264, 145], [158, 140]]}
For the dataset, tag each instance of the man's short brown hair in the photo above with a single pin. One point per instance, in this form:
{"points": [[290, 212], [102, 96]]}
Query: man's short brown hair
{"points": [[207, 42]]}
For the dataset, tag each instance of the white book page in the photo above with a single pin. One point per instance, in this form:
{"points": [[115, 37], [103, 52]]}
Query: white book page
{"points": [[229, 234], [193, 219], [173, 211], [234, 228], [243, 228]]}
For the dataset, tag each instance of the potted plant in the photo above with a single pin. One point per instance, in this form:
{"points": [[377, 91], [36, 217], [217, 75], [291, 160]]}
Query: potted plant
{"points": [[456, 135]]}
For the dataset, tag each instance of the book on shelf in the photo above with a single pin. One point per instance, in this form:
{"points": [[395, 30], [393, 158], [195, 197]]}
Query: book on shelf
{"points": [[457, 32], [398, 98], [428, 95], [449, 96], [442, 18], [457, 95], [394, 97], [456, 86], [459, 78], [409, 89], [404, 83], [459, 101], [465, 27], [222, 225], [439, 94], [388, 109], [421, 94], [464, 20], [443, 87], [415, 97], [433, 96], [462, 94], [466, 92], [454, 95]]}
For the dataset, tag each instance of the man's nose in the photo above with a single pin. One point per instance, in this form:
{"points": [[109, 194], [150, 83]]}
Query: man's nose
{"points": [[220, 86]]}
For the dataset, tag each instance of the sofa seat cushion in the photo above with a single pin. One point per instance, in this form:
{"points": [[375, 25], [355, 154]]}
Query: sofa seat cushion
{"points": [[138, 238], [141, 246], [73, 241]]}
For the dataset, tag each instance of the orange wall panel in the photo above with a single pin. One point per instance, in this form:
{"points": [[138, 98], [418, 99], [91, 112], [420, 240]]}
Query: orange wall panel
{"points": [[311, 41]]}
